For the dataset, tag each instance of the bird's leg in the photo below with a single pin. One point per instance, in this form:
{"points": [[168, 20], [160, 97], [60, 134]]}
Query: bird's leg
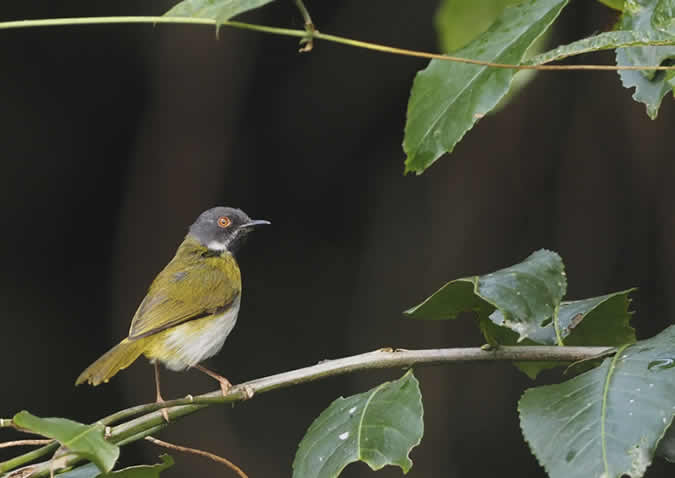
{"points": [[225, 384], [159, 398]]}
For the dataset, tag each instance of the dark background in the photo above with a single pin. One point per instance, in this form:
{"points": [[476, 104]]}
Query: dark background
{"points": [[114, 138]]}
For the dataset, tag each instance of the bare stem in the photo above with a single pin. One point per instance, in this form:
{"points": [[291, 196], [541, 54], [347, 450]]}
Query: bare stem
{"points": [[195, 451], [308, 35], [152, 421], [8, 444]]}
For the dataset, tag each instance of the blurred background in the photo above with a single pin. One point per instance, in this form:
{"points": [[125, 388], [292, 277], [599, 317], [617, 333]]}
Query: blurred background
{"points": [[114, 138]]}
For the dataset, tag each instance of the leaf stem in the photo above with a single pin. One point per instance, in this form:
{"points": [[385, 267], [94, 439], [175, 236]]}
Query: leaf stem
{"points": [[307, 36], [309, 24], [556, 325], [27, 457]]}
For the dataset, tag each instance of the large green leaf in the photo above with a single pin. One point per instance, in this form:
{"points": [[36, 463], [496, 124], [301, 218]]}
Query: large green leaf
{"points": [[378, 427], [85, 440], [650, 86], [447, 98], [606, 422], [218, 10]]}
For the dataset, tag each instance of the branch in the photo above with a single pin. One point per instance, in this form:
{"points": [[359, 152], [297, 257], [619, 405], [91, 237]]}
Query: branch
{"points": [[307, 36], [151, 420]]}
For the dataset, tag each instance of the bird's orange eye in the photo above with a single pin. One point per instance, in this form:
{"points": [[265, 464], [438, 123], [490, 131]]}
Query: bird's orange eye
{"points": [[224, 221]]}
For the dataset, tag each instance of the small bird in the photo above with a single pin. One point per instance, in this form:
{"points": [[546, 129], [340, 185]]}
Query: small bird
{"points": [[191, 306]]}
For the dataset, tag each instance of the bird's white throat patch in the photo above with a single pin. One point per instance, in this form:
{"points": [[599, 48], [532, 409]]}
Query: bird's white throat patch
{"points": [[217, 246]]}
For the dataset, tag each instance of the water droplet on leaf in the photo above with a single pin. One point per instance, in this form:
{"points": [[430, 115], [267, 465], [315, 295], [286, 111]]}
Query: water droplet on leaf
{"points": [[662, 363]]}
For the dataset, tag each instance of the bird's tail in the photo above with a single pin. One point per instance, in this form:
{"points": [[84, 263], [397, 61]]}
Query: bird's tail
{"points": [[117, 358]]}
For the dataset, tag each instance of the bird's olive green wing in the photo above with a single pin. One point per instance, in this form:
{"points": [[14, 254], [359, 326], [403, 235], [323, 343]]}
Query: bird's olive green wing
{"points": [[190, 287]]}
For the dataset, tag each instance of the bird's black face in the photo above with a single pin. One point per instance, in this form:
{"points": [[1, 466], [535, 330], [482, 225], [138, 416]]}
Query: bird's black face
{"points": [[223, 228]]}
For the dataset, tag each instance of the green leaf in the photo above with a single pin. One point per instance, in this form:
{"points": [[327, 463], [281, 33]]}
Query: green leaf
{"points": [[140, 471], [602, 41], [596, 321], [606, 422], [457, 23], [143, 471], [379, 427], [86, 471], [670, 78], [662, 19], [85, 440], [218, 10], [447, 98], [615, 4], [650, 86], [526, 295]]}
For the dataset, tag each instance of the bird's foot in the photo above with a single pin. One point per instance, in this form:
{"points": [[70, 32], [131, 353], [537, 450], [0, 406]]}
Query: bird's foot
{"points": [[225, 385], [163, 411]]}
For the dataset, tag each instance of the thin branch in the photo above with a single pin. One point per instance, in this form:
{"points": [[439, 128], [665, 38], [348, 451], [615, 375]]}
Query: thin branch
{"points": [[195, 451], [152, 420], [307, 36], [308, 41], [6, 422], [8, 444]]}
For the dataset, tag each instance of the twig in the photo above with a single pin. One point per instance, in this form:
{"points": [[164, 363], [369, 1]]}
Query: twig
{"points": [[8, 444], [152, 420], [308, 41], [194, 451], [307, 35], [6, 422]]}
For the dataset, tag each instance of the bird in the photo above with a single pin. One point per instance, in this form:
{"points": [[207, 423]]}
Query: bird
{"points": [[190, 307]]}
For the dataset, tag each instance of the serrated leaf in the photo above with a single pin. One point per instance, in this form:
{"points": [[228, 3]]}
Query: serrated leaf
{"points": [[607, 422], [517, 305], [85, 440], [218, 10], [602, 41], [598, 321], [526, 294], [602, 320], [650, 86], [447, 98], [379, 427]]}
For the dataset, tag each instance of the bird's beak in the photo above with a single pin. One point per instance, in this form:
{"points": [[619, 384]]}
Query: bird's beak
{"points": [[255, 223]]}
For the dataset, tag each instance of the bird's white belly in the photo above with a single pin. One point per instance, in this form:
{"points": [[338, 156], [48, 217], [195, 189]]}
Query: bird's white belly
{"points": [[189, 347]]}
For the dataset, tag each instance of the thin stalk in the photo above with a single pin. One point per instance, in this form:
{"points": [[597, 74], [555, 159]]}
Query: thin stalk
{"points": [[307, 36]]}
